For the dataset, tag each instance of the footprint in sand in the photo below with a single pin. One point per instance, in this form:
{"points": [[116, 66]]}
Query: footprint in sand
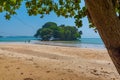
{"points": [[47, 71], [6, 66], [28, 79], [17, 68], [21, 73]]}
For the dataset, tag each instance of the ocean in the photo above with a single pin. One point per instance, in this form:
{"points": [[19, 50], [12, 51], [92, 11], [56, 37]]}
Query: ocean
{"points": [[83, 42], [17, 38]]}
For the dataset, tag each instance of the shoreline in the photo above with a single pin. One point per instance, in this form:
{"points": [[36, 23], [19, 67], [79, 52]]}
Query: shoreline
{"points": [[60, 43]]}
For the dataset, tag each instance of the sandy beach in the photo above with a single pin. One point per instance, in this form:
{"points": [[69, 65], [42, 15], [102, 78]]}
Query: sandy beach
{"points": [[45, 62]]}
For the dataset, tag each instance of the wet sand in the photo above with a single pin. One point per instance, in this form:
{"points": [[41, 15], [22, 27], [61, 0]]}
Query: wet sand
{"points": [[45, 62]]}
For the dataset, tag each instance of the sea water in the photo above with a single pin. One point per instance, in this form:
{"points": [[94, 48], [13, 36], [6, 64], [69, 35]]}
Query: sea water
{"points": [[83, 42], [17, 38]]}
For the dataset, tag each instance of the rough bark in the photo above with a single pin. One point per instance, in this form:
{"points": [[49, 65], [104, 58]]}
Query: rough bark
{"points": [[107, 23]]}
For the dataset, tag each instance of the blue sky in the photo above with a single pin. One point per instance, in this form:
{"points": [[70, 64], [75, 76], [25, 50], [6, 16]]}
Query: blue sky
{"points": [[24, 25]]}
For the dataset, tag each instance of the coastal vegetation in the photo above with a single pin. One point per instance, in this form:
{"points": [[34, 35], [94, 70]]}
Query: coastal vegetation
{"points": [[50, 31], [103, 14]]}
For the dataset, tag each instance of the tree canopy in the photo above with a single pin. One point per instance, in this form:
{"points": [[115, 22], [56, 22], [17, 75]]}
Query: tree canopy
{"points": [[66, 8], [50, 30]]}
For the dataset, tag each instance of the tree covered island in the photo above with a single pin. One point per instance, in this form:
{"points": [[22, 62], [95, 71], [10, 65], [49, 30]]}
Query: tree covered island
{"points": [[50, 31]]}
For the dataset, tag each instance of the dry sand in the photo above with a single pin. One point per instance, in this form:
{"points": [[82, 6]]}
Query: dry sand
{"points": [[43, 62]]}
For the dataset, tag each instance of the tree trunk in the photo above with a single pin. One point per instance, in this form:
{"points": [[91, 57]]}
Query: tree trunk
{"points": [[104, 17]]}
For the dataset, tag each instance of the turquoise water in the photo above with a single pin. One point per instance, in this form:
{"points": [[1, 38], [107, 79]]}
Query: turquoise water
{"points": [[17, 38], [84, 42], [92, 40]]}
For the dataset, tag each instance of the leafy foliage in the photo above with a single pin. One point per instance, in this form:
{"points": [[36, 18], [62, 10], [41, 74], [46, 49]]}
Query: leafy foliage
{"points": [[49, 24], [51, 30], [44, 33], [66, 8], [9, 6]]}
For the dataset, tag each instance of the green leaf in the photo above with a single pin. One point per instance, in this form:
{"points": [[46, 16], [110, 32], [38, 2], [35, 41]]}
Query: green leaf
{"points": [[7, 16], [1, 9]]}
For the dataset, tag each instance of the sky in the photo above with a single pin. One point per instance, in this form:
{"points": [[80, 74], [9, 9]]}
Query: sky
{"points": [[24, 25]]}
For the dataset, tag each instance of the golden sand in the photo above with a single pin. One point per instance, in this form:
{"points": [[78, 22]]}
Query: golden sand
{"points": [[44, 62]]}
